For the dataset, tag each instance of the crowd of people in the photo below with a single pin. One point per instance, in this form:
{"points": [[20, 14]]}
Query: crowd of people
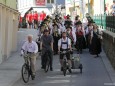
{"points": [[61, 34], [82, 34]]}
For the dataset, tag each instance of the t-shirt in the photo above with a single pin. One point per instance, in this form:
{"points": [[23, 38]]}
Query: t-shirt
{"points": [[20, 20], [29, 17], [42, 16], [35, 16], [46, 41]]}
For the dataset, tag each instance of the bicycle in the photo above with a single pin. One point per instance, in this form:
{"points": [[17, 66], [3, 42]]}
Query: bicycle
{"points": [[65, 62], [26, 69]]}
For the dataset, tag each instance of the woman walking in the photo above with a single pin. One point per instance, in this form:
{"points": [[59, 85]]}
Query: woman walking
{"points": [[95, 41]]}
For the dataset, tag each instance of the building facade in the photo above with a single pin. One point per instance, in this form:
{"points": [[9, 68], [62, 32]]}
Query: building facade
{"points": [[10, 3], [82, 7], [8, 29], [72, 7]]}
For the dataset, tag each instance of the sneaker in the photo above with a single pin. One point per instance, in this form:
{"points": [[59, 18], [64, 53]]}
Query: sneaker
{"points": [[33, 77]]}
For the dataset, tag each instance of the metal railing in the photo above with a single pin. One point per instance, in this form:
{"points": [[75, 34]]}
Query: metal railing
{"points": [[105, 21]]}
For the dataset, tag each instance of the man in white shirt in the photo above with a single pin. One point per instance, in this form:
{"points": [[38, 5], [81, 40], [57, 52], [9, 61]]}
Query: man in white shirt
{"points": [[31, 48], [64, 44]]}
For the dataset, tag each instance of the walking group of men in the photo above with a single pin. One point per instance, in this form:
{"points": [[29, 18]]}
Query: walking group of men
{"points": [[33, 19], [57, 35]]}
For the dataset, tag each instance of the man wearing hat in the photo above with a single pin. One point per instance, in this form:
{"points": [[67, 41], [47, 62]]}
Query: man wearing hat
{"points": [[68, 22], [46, 45], [56, 36], [77, 20]]}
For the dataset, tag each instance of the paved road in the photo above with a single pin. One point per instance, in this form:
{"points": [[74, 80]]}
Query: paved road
{"points": [[94, 74]]}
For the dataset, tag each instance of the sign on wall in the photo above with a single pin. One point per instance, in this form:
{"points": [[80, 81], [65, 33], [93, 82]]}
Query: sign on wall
{"points": [[40, 2]]}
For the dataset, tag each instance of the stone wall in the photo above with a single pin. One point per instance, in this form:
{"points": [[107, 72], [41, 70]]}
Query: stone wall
{"points": [[109, 46]]}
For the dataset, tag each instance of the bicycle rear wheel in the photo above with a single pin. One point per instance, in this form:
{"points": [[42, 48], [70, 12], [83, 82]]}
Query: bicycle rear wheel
{"points": [[25, 73], [47, 66]]}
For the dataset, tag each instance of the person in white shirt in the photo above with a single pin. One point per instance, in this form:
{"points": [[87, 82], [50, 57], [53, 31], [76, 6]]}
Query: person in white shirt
{"points": [[64, 44], [31, 48], [113, 8], [71, 34]]}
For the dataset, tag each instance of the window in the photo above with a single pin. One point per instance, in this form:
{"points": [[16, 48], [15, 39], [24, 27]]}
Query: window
{"points": [[50, 1]]}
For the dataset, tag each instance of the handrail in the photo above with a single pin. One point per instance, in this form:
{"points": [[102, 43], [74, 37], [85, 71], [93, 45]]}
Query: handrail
{"points": [[107, 22]]}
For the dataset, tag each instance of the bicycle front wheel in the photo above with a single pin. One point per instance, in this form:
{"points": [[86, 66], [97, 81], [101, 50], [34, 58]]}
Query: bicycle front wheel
{"points": [[64, 68], [25, 73]]}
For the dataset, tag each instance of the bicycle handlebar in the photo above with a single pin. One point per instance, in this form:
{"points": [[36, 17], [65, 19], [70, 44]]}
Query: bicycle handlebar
{"points": [[64, 51]]}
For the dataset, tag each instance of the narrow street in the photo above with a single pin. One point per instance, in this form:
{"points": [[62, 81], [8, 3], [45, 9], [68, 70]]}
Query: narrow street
{"points": [[96, 71]]}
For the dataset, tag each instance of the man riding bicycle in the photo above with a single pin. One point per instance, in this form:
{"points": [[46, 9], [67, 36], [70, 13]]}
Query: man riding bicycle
{"points": [[46, 45], [31, 48], [64, 44]]}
